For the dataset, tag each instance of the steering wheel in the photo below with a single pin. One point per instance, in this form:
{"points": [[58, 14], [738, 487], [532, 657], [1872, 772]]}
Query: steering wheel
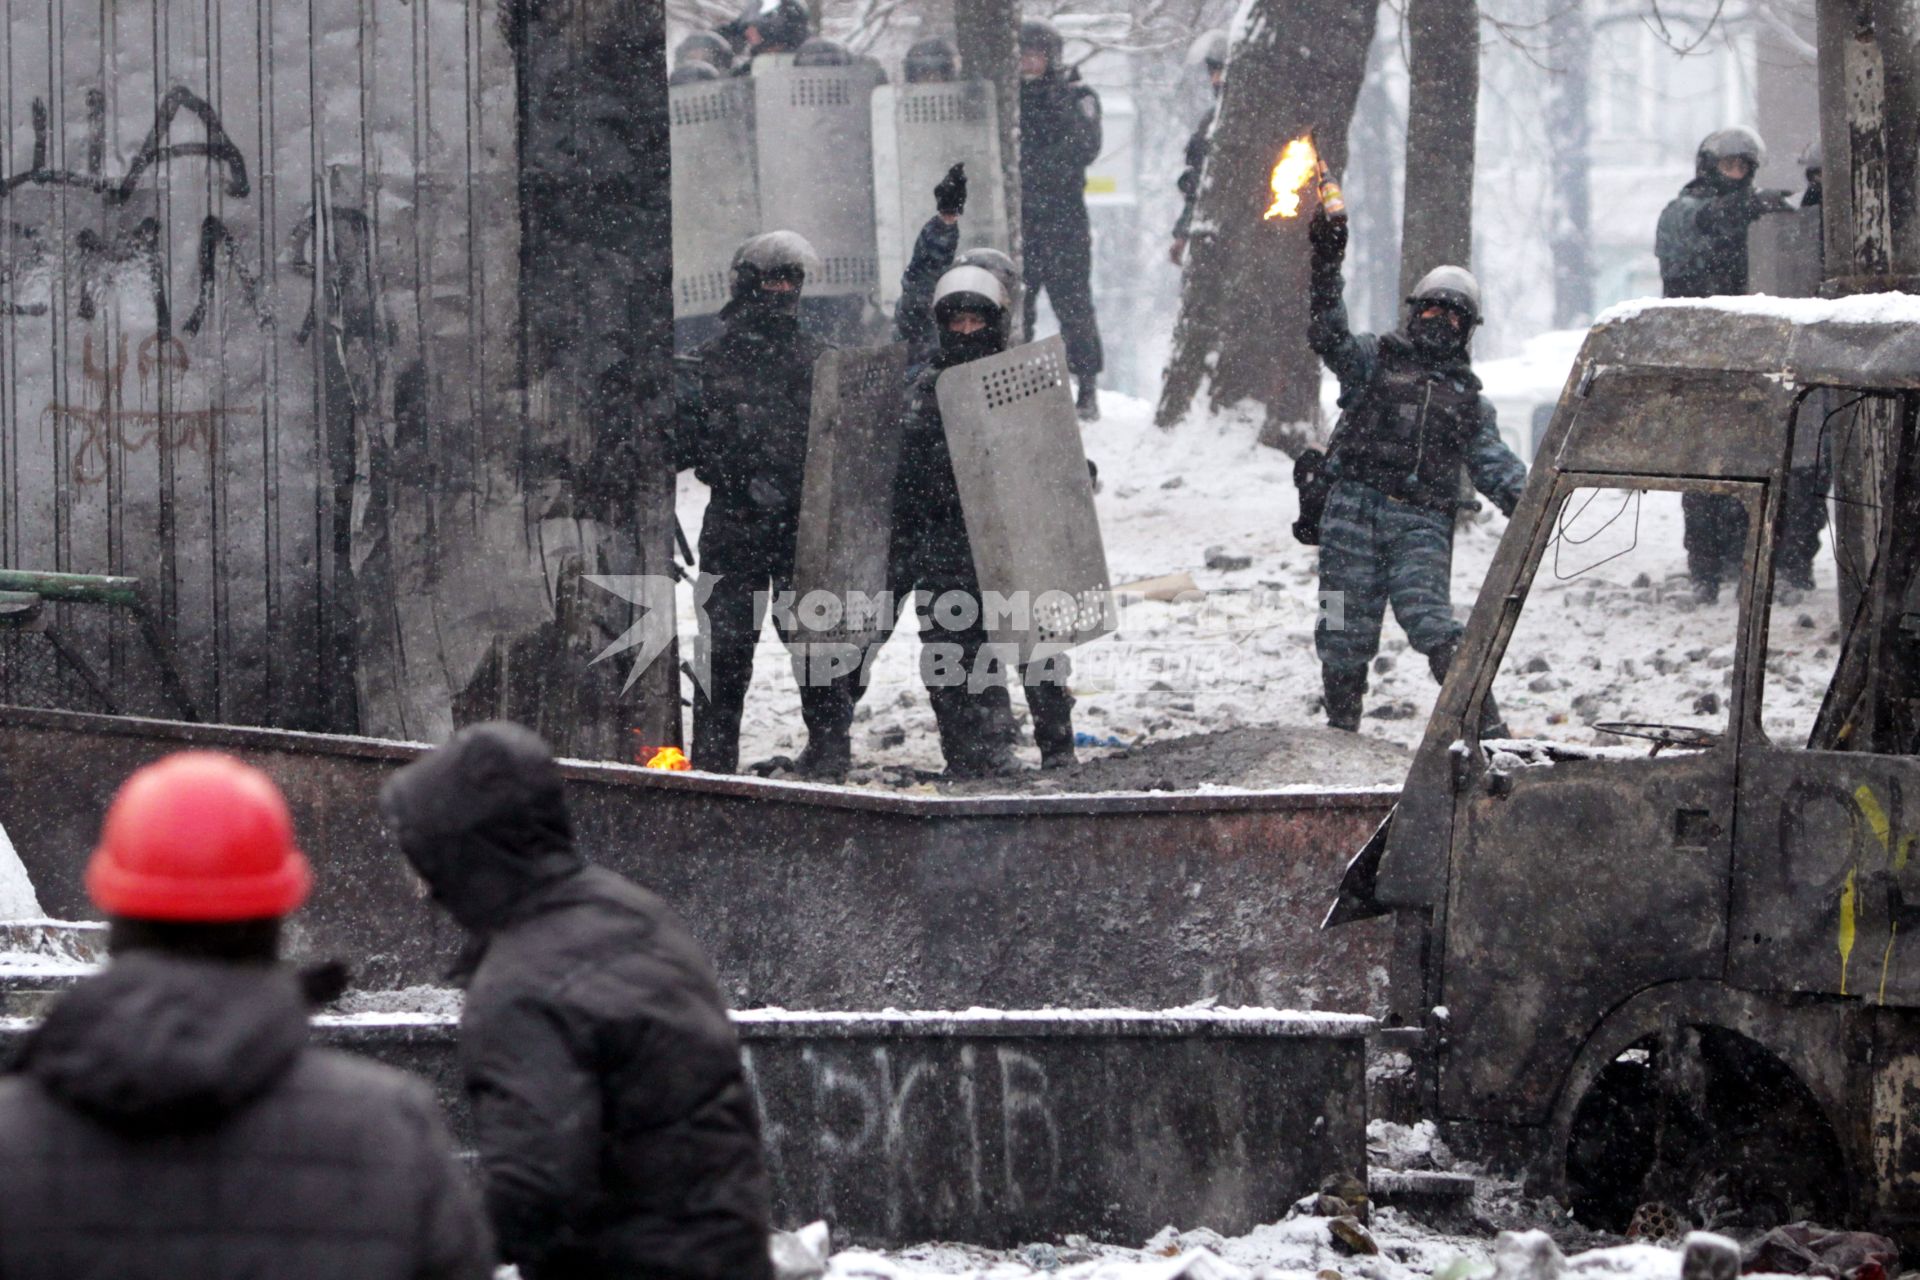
{"points": [[1661, 735]]}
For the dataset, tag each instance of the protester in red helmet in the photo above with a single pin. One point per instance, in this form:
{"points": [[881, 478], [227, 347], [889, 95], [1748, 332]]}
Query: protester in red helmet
{"points": [[168, 1119]]}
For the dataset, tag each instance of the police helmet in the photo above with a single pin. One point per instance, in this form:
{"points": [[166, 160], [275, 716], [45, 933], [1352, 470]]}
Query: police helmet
{"points": [[1037, 35], [1451, 287], [782, 24], [693, 73], [969, 288], [822, 52], [1001, 267], [773, 255], [703, 47], [1738, 142], [1812, 158], [1210, 47], [931, 60]]}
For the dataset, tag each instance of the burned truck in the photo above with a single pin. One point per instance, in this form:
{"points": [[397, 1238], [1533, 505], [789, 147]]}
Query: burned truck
{"points": [[1668, 959]]}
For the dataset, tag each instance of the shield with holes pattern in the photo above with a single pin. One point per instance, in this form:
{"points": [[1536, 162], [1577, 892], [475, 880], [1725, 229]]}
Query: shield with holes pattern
{"points": [[919, 132], [716, 202], [813, 131], [1028, 498], [846, 502]]}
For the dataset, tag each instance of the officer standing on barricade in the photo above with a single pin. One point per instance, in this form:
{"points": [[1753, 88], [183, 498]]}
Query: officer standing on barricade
{"points": [[744, 413], [930, 552], [1701, 242], [1059, 138], [1411, 415], [1210, 48]]}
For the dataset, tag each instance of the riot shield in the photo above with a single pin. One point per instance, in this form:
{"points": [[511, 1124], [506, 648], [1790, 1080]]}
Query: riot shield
{"points": [[716, 202], [814, 140], [846, 499], [919, 132], [1027, 498]]}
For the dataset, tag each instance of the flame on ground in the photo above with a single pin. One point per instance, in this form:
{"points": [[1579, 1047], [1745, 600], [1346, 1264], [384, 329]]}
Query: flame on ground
{"points": [[1298, 165], [669, 758]]}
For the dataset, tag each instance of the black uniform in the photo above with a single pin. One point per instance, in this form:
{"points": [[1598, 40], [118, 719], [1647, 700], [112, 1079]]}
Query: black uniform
{"points": [[1702, 246], [1189, 184], [933, 253], [169, 1119], [744, 413], [1059, 138], [615, 1127]]}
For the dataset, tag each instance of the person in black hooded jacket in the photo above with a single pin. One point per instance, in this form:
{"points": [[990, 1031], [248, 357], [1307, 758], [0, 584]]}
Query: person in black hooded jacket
{"points": [[616, 1131], [168, 1118]]}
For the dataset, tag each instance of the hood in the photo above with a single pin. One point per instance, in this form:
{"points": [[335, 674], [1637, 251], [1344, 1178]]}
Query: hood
{"points": [[484, 821], [157, 1043]]}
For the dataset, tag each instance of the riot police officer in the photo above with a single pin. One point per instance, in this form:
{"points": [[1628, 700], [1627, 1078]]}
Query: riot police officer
{"points": [[931, 61], [1059, 138], [704, 55], [1701, 242], [931, 553], [1209, 48], [769, 29], [744, 415], [1412, 414]]}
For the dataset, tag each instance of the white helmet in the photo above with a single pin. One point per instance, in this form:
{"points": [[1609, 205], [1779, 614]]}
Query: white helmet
{"points": [[1450, 286]]}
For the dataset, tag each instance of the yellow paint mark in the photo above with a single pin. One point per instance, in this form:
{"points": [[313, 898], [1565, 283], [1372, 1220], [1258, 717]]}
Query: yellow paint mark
{"points": [[1876, 816], [1846, 928], [1886, 961]]}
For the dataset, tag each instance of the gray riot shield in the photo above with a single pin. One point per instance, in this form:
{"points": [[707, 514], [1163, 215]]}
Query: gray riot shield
{"points": [[716, 202], [919, 132], [1027, 498], [1784, 254], [814, 141], [846, 500]]}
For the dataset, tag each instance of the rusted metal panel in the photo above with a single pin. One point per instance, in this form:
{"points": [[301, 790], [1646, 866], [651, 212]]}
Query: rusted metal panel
{"points": [[809, 897], [254, 260]]}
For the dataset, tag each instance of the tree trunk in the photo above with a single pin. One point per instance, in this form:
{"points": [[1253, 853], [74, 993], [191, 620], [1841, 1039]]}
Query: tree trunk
{"points": [[597, 297], [987, 33], [1373, 194], [1295, 65], [1443, 95], [1570, 35], [1870, 128]]}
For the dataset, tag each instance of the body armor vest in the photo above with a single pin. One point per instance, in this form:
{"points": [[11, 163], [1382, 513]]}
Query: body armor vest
{"points": [[1408, 433]]}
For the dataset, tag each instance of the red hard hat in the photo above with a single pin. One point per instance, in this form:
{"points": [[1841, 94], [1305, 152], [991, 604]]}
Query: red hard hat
{"points": [[200, 837]]}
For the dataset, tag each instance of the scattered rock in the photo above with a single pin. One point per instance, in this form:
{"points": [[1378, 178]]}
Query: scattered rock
{"points": [[1538, 662], [1699, 655], [1707, 704], [1542, 684], [1219, 559], [887, 739], [1804, 620], [1383, 663], [1526, 1255], [1173, 482], [1350, 1238], [1644, 580], [1394, 711], [1159, 686]]}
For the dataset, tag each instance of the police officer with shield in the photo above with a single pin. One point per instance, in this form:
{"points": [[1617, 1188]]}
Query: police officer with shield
{"points": [[1412, 414], [744, 414]]}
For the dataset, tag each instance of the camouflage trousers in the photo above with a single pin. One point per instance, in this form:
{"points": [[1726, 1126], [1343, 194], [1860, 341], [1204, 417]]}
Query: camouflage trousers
{"points": [[1374, 550]]}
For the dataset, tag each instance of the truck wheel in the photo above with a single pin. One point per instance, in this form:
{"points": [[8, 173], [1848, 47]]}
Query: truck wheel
{"points": [[1709, 1123]]}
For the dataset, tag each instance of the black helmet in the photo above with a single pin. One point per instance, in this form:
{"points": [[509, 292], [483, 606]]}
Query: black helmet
{"points": [[822, 52], [1037, 35], [703, 47], [782, 24], [931, 60], [1450, 287], [1738, 142], [773, 255], [1210, 47]]}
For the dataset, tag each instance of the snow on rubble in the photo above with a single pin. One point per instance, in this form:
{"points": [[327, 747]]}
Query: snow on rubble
{"points": [[1221, 686]]}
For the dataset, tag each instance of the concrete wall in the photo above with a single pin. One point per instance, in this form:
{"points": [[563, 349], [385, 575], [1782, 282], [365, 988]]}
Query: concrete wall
{"points": [[809, 897]]}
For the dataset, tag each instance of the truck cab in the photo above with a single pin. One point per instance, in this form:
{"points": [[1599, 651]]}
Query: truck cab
{"points": [[1654, 946]]}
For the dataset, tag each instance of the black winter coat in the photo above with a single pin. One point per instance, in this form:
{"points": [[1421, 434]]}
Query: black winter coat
{"points": [[1701, 239], [168, 1119], [1198, 143], [614, 1123], [929, 526], [1059, 138]]}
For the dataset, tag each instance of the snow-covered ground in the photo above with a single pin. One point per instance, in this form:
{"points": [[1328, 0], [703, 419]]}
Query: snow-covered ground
{"points": [[1624, 646]]}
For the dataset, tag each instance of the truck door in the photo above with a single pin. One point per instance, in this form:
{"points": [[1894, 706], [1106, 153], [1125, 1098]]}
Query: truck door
{"points": [[1592, 838]]}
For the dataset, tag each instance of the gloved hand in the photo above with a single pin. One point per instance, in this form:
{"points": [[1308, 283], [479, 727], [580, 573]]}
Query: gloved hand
{"points": [[1328, 235], [950, 197], [1773, 200]]}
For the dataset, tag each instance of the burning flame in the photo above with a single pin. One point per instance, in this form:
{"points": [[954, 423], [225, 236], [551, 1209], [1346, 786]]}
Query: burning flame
{"points": [[669, 758], [1298, 165]]}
